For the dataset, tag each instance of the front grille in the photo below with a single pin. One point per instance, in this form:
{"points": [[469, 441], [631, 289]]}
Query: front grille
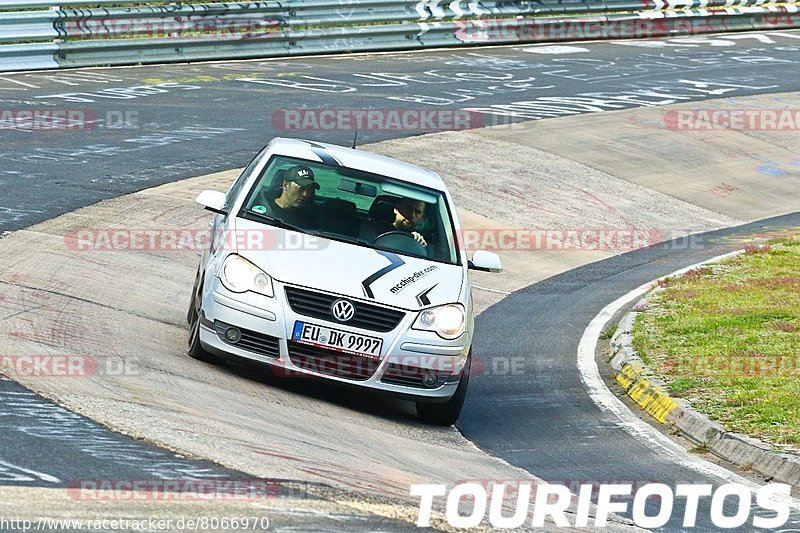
{"points": [[318, 305], [411, 376], [331, 362], [251, 341]]}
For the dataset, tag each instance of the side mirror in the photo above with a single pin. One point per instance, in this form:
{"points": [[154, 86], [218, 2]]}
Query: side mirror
{"points": [[213, 201], [485, 262]]}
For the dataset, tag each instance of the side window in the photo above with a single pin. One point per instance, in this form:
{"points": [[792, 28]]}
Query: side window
{"points": [[236, 188]]}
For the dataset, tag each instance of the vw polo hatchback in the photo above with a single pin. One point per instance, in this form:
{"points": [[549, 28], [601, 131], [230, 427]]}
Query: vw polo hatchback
{"points": [[340, 264]]}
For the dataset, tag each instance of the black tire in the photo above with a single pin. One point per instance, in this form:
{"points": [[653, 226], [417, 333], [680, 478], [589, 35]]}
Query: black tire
{"points": [[193, 348], [447, 413]]}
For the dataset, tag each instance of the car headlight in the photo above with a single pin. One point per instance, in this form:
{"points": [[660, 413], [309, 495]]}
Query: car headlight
{"points": [[240, 275], [447, 320]]}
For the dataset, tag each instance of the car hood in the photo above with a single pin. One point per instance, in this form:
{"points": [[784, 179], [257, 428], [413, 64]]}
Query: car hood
{"points": [[359, 272]]}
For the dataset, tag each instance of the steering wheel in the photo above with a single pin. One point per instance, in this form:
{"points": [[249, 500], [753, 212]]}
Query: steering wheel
{"points": [[401, 241]]}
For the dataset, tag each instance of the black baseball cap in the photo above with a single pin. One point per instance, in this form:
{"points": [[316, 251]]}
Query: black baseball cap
{"points": [[301, 175]]}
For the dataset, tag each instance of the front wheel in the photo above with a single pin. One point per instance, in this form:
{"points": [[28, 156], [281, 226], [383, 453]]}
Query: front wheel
{"points": [[446, 414], [193, 348]]}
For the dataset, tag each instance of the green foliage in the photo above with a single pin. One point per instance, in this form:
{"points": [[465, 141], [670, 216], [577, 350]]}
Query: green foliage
{"points": [[727, 337]]}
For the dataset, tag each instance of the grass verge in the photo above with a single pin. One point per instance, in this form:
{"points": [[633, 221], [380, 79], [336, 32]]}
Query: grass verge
{"points": [[727, 338]]}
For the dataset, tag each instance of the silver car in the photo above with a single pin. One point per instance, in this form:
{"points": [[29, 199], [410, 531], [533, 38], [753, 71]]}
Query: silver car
{"points": [[336, 263]]}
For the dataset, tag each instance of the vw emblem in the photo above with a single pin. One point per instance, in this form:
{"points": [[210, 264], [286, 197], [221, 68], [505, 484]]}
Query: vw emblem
{"points": [[342, 310]]}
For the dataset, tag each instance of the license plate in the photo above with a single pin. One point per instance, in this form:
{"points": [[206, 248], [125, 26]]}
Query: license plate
{"points": [[342, 341]]}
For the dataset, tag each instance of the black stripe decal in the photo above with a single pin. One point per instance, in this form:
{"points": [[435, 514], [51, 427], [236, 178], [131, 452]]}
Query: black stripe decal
{"points": [[422, 297], [394, 262], [324, 156]]}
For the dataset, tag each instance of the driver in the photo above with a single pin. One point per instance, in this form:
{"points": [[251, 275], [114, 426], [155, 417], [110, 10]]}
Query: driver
{"points": [[295, 203], [408, 214]]}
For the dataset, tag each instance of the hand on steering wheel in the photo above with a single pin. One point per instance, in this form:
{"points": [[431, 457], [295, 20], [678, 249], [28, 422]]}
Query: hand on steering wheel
{"points": [[413, 235], [408, 242]]}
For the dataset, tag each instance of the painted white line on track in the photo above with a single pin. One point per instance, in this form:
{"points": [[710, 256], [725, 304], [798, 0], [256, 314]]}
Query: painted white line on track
{"points": [[638, 429], [28, 85], [40, 475], [490, 290], [554, 49], [789, 35]]}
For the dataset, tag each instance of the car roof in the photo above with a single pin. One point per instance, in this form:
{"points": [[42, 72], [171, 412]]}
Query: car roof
{"points": [[357, 159]]}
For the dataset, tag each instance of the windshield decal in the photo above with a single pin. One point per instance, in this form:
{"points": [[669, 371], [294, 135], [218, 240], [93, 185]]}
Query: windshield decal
{"points": [[422, 298], [394, 262]]}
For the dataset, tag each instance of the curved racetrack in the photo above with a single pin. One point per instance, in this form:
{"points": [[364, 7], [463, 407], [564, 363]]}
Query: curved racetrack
{"points": [[528, 414]]}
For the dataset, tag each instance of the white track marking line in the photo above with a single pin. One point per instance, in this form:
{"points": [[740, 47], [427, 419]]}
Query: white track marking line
{"points": [[490, 290], [640, 430], [12, 80], [40, 475]]}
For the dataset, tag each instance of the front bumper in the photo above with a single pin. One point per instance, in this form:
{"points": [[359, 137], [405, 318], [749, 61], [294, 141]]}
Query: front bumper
{"points": [[407, 355]]}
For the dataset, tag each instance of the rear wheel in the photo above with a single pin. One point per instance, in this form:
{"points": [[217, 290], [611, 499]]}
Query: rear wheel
{"points": [[194, 348], [446, 414]]}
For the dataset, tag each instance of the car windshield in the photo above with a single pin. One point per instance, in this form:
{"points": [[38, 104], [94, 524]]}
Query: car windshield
{"points": [[353, 206]]}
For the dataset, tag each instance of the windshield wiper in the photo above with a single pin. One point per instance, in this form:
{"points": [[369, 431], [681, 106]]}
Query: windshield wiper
{"points": [[285, 225], [339, 237], [272, 221]]}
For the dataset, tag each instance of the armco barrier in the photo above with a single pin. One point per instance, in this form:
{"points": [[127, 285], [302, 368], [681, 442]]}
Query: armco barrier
{"points": [[36, 34]]}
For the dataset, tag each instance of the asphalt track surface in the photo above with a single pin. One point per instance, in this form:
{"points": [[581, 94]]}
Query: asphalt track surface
{"points": [[45, 445], [151, 125], [30, 429], [197, 119]]}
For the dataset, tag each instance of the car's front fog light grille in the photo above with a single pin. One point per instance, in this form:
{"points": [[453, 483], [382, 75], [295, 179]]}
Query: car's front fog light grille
{"points": [[245, 339], [332, 363]]}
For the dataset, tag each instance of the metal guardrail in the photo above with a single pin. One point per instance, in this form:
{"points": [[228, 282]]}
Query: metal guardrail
{"points": [[36, 34]]}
